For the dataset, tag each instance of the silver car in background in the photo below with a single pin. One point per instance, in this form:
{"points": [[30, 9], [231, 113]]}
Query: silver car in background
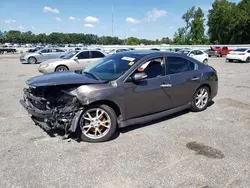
{"points": [[75, 60], [42, 55]]}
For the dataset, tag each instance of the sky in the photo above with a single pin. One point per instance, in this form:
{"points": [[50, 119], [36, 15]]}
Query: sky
{"points": [[150, 19]]}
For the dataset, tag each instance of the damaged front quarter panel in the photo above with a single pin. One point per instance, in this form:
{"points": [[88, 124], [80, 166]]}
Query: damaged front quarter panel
{"points": [[53, 107], [61, 106]]}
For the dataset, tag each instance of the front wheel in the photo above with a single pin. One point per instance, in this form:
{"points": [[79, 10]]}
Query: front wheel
{"points": [[200, 99], [61, 68], [32, 60], [97, 124]]}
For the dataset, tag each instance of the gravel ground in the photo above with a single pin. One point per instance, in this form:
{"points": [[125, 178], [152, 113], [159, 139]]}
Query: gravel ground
{"points": [[203, 150]]}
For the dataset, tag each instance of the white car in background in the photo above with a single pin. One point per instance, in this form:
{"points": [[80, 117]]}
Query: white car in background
{"points": [[196, 54], [239, 54], [114, 51], [75, 60]]}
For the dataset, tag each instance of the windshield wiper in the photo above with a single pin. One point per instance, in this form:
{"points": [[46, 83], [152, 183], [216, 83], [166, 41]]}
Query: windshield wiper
{"points": [[91, 74]]}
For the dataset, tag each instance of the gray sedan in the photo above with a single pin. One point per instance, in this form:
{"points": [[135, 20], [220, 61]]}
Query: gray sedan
{"points": [[42, 55]]}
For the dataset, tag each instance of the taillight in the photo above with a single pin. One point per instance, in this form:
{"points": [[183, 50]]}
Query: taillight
{"points": [[241, 53]]}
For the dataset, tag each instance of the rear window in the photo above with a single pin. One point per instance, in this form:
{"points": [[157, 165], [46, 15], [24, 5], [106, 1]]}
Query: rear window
{"points": [[240, 50]]}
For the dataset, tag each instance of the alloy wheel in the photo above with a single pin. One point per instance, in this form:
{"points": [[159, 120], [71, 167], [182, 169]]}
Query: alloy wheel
{"points": [[32, 60], [201, 98], [96, 123], [61, 69]]}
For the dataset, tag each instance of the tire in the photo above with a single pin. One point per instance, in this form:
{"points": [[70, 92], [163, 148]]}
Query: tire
{"points": [[209, 55], [32, 60], [195, 104], [88, 126], [248, 60], [61, 68], [205, 61]]}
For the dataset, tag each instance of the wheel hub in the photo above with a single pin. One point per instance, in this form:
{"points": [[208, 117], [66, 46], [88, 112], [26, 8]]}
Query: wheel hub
{"points": [[96, 123]]}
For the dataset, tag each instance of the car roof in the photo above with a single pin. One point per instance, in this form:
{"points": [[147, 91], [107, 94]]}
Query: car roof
{"points": [[143, 53]]}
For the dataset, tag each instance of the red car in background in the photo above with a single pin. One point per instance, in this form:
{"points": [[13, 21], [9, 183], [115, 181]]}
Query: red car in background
{"points": [[221, 51]]}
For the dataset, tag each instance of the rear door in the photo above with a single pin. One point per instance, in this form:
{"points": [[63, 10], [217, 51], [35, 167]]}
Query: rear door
{"points": [[95, 56], [54, 54], [59, 53], [200, 56], [184, 78]]}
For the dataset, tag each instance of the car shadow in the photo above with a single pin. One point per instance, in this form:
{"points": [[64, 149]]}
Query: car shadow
{"points": [[142, 125], [73, 136]]}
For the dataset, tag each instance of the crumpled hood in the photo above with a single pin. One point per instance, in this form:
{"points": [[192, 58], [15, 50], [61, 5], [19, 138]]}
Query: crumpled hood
{"points": [[61, 78]]}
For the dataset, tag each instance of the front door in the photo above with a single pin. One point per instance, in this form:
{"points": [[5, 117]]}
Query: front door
{"points": [[45, 54], [147, 96], [183, 79], [83, 59]]}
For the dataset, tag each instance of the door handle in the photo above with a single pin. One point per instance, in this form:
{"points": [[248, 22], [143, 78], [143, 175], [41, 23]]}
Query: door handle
{"points": [[166, 85], [195, 78]]}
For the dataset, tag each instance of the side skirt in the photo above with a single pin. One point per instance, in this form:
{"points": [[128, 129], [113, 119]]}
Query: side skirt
{"points": [[151, 117]]}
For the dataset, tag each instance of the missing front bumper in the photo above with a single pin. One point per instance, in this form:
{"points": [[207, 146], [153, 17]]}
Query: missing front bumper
{"points": [[66, 118]]}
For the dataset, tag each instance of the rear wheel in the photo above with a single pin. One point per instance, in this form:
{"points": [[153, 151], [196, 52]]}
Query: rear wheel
{"points": [[32, 60], [205, 61], [97, 124], [248, 60], [200, 99], [61, 68]]}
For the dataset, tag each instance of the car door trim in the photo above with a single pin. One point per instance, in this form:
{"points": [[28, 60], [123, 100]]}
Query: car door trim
{"points": [[147, 118]]}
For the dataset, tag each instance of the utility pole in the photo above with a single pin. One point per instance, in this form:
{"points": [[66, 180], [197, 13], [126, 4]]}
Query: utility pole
{"points": [[112, 20]]}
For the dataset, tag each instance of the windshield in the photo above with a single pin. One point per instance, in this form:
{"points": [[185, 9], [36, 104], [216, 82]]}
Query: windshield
{"points": [[111, 67], [240, 50], [70, 55]]}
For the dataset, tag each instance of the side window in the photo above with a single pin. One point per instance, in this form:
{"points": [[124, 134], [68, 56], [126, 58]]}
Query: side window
{"points": [[58, 50], [248, 51], [193, 52], [177, 65], [96, 54], [191, 65], [83, 55], [53, 50], [46, 51], [153, 68], [198, 52]]}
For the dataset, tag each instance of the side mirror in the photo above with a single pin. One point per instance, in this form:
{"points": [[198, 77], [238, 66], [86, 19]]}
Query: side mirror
{"points": [[40, 53], [191, 55], [75, 58], [139, 76]]}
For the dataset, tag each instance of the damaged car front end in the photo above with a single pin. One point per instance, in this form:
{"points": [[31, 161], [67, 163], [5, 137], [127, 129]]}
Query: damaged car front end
{"points": [[52, 108], [53, 104]]}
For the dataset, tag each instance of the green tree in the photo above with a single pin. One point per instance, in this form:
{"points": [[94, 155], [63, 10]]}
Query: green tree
{"points": [[166, 40], [13, 36], [197, 27], [1, 37], [187, 17], [242, 23], [222, 19], [179, 36], [132, 41]]}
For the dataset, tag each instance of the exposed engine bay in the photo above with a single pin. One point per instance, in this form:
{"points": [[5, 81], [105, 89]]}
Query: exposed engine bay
{"points": [[53, 107]]}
